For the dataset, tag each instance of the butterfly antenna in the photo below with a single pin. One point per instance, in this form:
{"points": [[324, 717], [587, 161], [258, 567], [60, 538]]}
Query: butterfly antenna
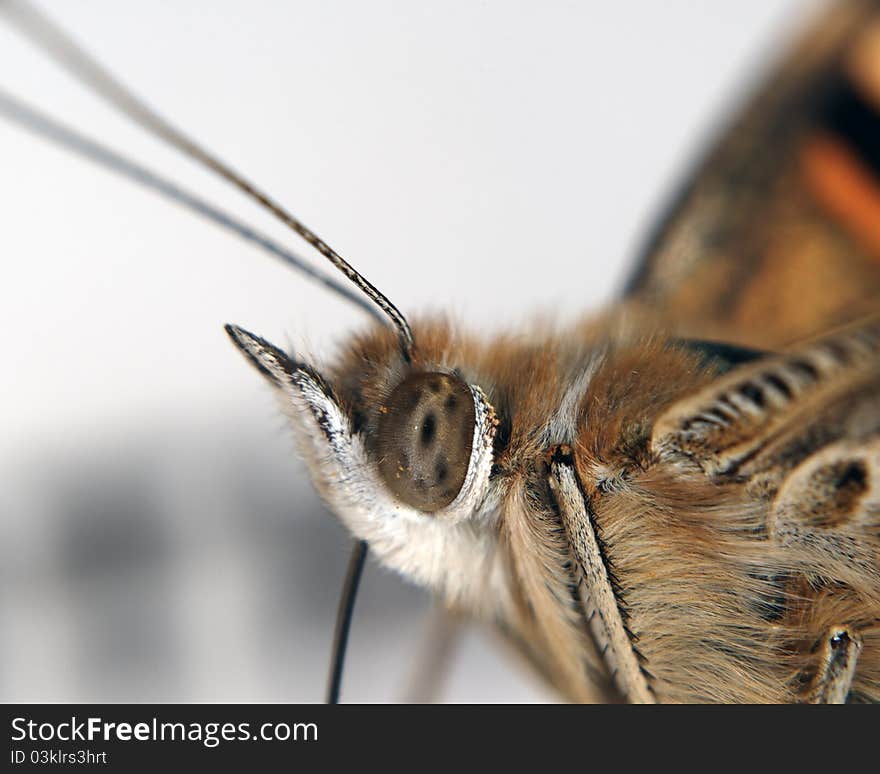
{"points": [[45, 34], [343, 619], [46, 127]]}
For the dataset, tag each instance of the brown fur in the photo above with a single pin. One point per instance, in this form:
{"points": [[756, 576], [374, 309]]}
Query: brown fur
{"points": [[735, 537], [719, 611]]}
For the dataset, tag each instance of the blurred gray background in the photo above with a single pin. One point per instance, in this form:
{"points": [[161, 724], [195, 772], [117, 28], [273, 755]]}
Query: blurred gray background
{"points": [[158, 538]]}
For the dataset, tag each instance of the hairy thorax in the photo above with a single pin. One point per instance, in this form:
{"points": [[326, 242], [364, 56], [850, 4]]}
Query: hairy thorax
{"points": [[591, 393]]}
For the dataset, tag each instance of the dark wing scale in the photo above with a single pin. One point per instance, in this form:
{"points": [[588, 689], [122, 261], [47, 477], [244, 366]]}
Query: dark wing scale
{"points": [[800, 433], [777, 237]]}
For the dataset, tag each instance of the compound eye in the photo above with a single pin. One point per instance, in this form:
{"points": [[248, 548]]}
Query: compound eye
{"points": [[424, 439]]}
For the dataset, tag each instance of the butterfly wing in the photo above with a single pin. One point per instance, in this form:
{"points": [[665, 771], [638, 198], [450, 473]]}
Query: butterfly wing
{"points": [[798, 436], [741, 564], [777, 236]]}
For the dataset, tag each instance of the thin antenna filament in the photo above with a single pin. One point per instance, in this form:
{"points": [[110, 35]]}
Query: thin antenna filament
{"points": [[54, 131], [41, 31]]}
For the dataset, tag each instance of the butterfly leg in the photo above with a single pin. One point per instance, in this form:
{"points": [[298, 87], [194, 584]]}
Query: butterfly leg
{"points": [[596, 590], [435, 656], [838, 653]]}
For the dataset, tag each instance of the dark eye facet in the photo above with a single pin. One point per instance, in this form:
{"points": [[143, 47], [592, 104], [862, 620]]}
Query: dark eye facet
{"points": [[424, 439]]}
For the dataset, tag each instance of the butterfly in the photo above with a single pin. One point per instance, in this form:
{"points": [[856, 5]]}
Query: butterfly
{"points": [[676, 499]]}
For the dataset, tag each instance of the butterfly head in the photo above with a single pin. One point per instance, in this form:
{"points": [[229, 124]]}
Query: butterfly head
{"points": [[400, 448]]}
